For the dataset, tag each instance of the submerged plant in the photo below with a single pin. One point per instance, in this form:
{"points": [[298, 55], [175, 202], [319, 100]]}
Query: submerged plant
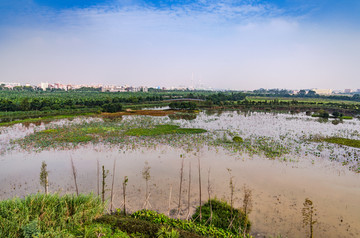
{"points": [[308, 214], [146, 176], [44, 181]]}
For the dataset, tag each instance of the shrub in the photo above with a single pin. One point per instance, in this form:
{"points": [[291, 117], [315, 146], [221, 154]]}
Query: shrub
{"points": [[238, 139], [222, 214]]}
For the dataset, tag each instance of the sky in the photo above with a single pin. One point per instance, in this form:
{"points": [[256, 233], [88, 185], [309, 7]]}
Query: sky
{"points": [[224, 44]]}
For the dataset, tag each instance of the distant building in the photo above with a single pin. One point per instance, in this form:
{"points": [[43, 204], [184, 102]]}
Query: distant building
{"points": [[323, 91], [347, 90], [10, 85], [44, 86], [144, 89]]}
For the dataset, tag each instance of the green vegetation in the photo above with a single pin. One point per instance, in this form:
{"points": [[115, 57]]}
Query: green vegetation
{"points": [[42, 215], [11, 118], [325, 114], [24, 104], [184, 116], [47, 215], [107, 132], [198, 228], [163, 130], [222, 216], [183, 105], [237, 139], [342, 141]]}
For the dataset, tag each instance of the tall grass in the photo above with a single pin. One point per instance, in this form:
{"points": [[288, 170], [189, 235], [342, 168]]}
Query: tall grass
{"points": [[47, 213]]}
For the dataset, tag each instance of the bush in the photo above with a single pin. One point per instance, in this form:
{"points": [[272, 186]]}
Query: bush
{"points": [[238, 139], [222, 214]]}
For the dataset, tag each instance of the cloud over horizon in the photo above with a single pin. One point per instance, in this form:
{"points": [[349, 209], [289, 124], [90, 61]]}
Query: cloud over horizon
{"points": [[226, 44]]}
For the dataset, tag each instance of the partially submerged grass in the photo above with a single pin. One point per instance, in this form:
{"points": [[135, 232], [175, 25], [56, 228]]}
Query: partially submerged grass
{"points": [[139, 112], [163, 130], [222, 216], [109, 132], [43, 119], [342, 141], [146, 131]]}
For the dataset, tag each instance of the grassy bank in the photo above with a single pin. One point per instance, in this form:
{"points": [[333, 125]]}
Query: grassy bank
{"points": [[42, 215]]}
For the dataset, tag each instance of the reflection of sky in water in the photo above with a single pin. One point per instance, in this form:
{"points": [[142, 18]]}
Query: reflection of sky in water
{"points": [[273, 125], [279, 188]]}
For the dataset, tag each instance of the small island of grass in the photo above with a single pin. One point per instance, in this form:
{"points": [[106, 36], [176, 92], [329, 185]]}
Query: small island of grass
{"points": [[342, 141], [163, 130]]}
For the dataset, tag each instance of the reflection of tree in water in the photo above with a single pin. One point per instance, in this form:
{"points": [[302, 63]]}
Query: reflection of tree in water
{"points": [[185, 116], [213, 112]]}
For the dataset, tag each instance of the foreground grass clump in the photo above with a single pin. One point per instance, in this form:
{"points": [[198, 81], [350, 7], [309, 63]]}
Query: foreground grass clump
{"points": [[47, 215], [43, 215], [137, 225], [163, 130], [222, 216], [202, 230], [342, 141]]}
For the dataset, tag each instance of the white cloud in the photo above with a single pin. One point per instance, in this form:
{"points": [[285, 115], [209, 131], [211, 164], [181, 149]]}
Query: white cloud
{"points": [[242, 46]]}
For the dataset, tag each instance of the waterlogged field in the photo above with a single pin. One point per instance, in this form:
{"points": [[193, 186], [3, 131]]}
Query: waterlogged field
{"points": [[282, 158]]}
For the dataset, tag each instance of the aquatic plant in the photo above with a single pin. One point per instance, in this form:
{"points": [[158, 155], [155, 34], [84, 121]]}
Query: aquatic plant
{"points": [[221, 213], [308, 214], [44, 179]]}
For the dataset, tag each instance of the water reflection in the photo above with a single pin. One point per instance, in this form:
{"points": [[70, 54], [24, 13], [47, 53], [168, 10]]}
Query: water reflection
{"points": [[278, 189], [184, 116]]}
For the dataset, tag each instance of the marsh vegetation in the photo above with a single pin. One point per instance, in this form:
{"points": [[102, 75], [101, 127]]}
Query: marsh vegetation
{"points": [[293, 153]]}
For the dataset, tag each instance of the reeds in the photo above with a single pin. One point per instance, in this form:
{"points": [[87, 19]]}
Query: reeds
{"points": [[146, 176], [74, 175]]}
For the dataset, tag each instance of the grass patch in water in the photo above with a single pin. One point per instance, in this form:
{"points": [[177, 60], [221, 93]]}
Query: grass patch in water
{"points": [[41, 119], [163, 130], [342, 141]]}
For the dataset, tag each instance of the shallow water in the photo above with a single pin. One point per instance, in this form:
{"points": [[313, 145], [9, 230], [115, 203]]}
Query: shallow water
{"points": [[279, 188]]}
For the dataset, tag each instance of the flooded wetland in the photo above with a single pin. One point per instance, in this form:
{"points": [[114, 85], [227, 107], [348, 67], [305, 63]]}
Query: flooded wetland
{"points": [[282, 158]]}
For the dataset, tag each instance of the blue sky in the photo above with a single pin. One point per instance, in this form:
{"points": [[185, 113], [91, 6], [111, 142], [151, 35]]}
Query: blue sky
{"points": [[225, 44]]}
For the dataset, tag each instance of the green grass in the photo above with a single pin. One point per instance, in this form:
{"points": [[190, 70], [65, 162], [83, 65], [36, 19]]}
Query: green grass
{"points": [[111, 132], [52, 215], [201, 229], [222, 214], [47, 214], [346, 117], [342, 141], [299, 99], [163, 130], [45, 118]]}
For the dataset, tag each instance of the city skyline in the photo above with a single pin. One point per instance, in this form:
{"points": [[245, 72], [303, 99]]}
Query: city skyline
{"points": [[144, 88], [240, 45]]}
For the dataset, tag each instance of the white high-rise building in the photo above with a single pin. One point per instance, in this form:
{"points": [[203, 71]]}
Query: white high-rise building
{"points": [[44, 86]]}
